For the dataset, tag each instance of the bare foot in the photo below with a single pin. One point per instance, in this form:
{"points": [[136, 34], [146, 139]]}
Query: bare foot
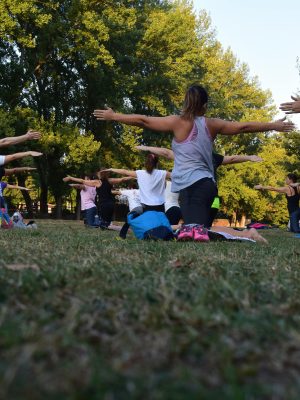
{"points": [[253, 234]]}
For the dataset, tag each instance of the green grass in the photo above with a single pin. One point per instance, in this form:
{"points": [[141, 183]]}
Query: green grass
{"points": [[103, 318]]}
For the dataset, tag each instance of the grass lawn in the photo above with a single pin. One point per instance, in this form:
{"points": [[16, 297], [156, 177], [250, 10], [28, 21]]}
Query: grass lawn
{"points": [[100, 318]]}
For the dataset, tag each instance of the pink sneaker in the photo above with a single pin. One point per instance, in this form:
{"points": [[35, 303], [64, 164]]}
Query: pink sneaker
{"points": [[186, 233], [200, 234]]}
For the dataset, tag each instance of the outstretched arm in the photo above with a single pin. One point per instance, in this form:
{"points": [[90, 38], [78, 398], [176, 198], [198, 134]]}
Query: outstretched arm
{"points": [[284, 189], [159, 151], [17, 187], [30, 135], [122, 172], [164, 124], [222, 127], [292, 107], [12, 171], [116, 181], [17, 156], [92, 183], [240, 159]]}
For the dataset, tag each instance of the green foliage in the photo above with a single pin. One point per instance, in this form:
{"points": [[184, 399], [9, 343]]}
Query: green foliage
{"points": [[237, 181]]}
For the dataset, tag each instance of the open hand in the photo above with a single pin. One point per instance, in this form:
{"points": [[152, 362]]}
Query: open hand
{"points": [[29, 169], [258, 187], [292, 107], [141, 148], [281, 126], [104, 115], [33, 135], [35, 153]]}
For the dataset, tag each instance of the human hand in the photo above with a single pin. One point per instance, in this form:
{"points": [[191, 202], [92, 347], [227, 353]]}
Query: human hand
{"points": [[292, 107], [33, 135], [255, 159], [67, 179], [281, 126], [258, 187], [35, 154], [141, 148], [104, 115], [29, 169]]}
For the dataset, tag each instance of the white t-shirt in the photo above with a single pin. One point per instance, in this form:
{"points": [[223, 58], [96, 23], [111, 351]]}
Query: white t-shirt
{"points": [[152, 186], [2, 160], [171, 198], [133, 196]]}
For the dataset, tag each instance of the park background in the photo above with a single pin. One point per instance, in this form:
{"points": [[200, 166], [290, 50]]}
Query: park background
{"points": [[62, 59], [85, 315]]}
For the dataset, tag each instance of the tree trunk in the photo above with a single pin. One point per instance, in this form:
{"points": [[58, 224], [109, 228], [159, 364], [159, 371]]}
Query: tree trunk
{"points": [[78, 206], [58, 207], [26, 196], [243, 221], [233, 219], [44, 199], [42, 168]]}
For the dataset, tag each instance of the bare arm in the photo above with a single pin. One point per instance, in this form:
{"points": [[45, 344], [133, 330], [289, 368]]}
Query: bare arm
{"points": [[92, 183], [116, 181], [17, 156], [17, 187], [159, 151], [240, 159], [30, 135], [122, 172], [222, 127], [284, 189], [164, 124], [12, 171]]}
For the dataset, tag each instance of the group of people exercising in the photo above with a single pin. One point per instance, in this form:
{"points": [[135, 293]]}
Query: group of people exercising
{"points": [[189, 193]]}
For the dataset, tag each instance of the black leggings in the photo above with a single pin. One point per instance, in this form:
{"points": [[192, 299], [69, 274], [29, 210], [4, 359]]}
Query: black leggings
{"points": [[160, 208], [174, 215], [196, 201], [106, 211]]}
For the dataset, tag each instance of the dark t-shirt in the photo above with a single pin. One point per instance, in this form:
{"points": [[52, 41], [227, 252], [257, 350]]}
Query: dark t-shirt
{"points": [[217, 160], [104, 193], [293, 201]]}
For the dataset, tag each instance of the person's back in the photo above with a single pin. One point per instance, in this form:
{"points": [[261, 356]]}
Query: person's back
{"points": [[152, 186], [88, 195], [193, 157], [104, 192], [293, 200]]}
